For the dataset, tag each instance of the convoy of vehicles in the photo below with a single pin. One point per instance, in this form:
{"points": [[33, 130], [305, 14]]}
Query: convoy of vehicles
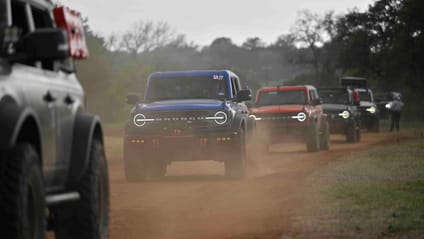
{"points": [[187, 116], [293, 112], [53, 169], [341, 107]]}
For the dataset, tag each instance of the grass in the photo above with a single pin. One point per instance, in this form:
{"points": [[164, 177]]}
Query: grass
{"points": [[375, 194]]}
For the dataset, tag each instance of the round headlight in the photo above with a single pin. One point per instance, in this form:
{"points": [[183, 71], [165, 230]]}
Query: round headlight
{"points": [[345, 114], [254, 117], [372, 109], [140, 120], [220, 117], [301, 117]]}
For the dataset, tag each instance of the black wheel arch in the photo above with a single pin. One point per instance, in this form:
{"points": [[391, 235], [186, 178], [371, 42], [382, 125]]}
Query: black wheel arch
{"points": [[87, 128], [19, 124]]}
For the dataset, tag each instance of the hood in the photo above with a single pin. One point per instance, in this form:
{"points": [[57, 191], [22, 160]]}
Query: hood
{"points": [[277, 109], [184, 104], [333, 108]]}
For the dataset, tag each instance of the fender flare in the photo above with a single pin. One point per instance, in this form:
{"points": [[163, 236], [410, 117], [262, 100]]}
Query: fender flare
{"points": [[12, 120], [87, 127]]}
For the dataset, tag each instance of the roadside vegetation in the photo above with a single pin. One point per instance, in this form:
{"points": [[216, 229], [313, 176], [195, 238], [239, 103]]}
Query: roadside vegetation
{"points": [[374, 194]]}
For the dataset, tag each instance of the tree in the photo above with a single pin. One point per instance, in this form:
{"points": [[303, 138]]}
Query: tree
{"points": [[313, 31], [253, 43], [143, 36]]}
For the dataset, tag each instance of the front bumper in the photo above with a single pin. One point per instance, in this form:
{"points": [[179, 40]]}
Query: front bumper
{"points": [[339, 125], [276, 130], [183, 146]]}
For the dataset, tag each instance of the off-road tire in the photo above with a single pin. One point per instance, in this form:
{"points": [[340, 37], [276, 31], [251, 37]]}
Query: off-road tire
{"points": [[235, 165], [312, 140], [87, 218], [156, 168], [358, 134], [324, 141], [135, 169], [22, 203], [375, 127], [351, 134]]}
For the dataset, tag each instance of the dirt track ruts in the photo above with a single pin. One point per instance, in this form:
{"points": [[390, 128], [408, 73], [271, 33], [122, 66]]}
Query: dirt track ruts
{"points": [[196, 201]]}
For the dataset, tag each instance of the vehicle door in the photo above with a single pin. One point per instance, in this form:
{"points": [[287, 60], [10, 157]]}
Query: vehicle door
{"points": [[36, 91], [67, 92]]}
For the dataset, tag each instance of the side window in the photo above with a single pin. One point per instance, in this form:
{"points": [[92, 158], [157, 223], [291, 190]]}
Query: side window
{"points": [[233, 86], [19, 17], [314, 91], [237, 84], [42, 18], [311, 95]]}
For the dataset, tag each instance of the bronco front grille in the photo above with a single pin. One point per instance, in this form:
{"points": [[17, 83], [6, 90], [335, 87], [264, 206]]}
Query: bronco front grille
{"points": [[179, 119]]}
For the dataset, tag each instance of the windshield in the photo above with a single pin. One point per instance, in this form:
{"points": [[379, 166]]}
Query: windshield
{"points": [[334, 97], [365, 96], [282, 98], [206, 87]]}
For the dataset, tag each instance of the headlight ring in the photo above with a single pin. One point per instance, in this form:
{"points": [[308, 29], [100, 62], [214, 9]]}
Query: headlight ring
{"points": [[372, 109], [300, 117], [220, 118], [140, 120], [345, 114]]}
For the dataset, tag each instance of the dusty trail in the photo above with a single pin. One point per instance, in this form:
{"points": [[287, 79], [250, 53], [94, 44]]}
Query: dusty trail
{"points": [[195, 201]]}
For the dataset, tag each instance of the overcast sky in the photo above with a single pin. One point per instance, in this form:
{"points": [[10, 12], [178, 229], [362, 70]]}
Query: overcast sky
{"points": [[203, 21]]}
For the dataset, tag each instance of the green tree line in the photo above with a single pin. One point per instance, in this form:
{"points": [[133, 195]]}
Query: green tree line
{"points": [[385, 43]]}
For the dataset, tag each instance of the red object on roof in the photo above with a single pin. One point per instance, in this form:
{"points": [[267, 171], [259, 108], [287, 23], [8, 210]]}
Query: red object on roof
{"points": [[72, 23]]}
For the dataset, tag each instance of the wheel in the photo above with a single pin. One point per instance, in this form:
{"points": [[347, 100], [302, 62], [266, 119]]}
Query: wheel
{"points": [[375, 126], [324, 141], [358, 134], [312, 140], [156, 168], [87, 218], [135, 169], [351, 134], [22, 202], [235, 164]]}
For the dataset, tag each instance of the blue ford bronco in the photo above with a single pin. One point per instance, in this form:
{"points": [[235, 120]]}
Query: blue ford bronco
{"points": [[187, 116]]}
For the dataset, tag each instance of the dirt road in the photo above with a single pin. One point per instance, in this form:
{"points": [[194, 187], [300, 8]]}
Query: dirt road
{"points": [[195, 201]]}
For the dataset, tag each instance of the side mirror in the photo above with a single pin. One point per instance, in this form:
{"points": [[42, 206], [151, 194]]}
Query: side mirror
{"points": [[244, 95], [132, 98], [46, 44]]}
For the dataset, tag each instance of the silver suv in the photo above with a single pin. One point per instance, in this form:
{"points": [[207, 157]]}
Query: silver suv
{"points": [[53, 171]]}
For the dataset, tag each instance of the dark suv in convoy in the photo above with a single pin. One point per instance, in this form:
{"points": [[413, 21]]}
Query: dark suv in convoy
{"points": [[291, 112], [341, 107], [187, 116], [53, 171], [370, 115]]}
